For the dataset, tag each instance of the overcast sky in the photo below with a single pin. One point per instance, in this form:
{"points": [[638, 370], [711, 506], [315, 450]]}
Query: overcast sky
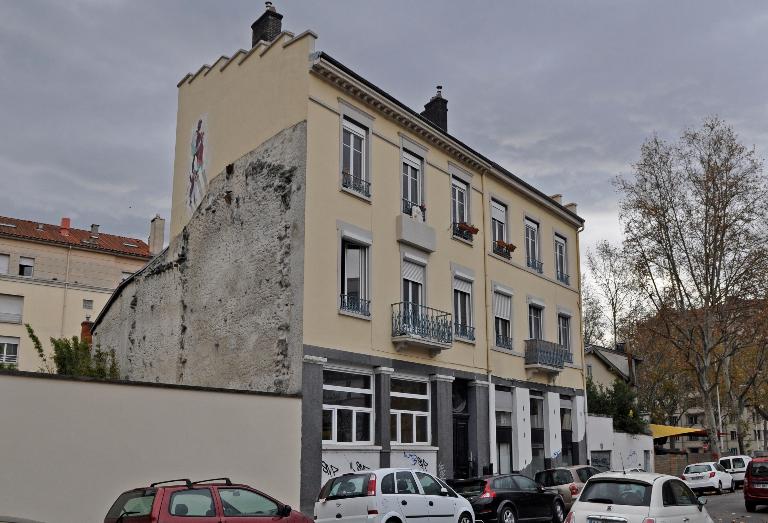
{"points": [[561, 93]]}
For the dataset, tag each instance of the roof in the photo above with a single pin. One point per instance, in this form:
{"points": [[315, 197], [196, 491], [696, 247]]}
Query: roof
{"points": [[47, 233], [615, 360], [437, 130], [664, 431]]}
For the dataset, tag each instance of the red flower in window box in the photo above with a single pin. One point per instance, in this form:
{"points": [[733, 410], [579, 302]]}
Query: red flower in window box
{"points": [[504, 245], [467, 227]]}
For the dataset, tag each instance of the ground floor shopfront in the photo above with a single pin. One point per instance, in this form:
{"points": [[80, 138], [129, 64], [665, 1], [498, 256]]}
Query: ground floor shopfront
{"points": [[362, 412]]}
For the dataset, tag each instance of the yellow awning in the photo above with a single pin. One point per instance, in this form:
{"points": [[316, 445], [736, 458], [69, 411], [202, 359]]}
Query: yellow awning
{"points": [[663, 431]]}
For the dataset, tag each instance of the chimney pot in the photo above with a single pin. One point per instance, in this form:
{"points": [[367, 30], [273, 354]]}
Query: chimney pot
{"points": [[86, 328], [64, 227], [94, 230], [558, 198], [436, 110], [268, 26], [571, 207], [156, 235]]}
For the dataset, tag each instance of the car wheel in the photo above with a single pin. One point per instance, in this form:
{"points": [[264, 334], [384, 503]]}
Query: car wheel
{"points": [[751, 507], [558, 513], [465, 518], [719, 487], [507, 515]]}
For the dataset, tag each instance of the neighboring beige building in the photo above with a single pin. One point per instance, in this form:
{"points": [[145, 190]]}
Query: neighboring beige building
{"points": [[753, 426], [54, 277], [329, 240], [603, 364]]}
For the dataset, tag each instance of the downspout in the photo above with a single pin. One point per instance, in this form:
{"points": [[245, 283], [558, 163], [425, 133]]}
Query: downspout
{"points": [[66, 288], [583, 355], [493, 454]]}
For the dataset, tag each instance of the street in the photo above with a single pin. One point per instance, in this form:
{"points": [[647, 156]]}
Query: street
{"points": [[730, 507]]}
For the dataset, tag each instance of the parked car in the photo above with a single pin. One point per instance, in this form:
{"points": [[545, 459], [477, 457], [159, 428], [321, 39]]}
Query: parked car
{"points": [[11, 519], [388, 496], [637, 497], [566, 481], [207, 501], [736, 466], [511, 498], [708, 476], [756, 484]]}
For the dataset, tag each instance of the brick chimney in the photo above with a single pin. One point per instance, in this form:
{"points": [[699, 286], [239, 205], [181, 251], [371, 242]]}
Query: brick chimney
{"points": [[436, 110], [85, 330], [268, 26], [156, 235], [64, 227]]}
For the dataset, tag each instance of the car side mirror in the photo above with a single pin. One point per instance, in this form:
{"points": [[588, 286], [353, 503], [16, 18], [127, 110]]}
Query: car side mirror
{"points": [[701, 501], [540, 487], [285, 511], [443, 491]]}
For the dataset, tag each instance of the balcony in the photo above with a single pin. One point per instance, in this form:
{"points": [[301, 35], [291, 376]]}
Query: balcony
{"points": [[419, 326], [535, 264], [409, 206], [9, 317], [544, 356], [503, 341], [356, 184], [563, 278], [464, 332], [412, 230], [464, 231], [503, 249], [355, 305]]}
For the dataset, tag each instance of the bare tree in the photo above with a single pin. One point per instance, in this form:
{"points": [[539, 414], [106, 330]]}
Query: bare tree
{"points": [[592, 315], [695, 219]]}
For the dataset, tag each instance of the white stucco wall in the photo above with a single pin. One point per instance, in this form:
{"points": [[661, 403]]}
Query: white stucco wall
{"points": [[626, 450], [71, 447]]}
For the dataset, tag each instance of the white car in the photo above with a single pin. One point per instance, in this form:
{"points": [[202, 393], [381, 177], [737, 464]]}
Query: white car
{"points": [[637, 497], [736, 466], [708, 476], [390, 496]]}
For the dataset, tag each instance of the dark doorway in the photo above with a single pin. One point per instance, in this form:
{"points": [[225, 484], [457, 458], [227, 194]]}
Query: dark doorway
{"points": [[462, 466]]}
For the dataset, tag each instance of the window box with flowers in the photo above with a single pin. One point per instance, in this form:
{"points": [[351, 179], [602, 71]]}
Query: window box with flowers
{"points": [[465, 231], [503, 249]]}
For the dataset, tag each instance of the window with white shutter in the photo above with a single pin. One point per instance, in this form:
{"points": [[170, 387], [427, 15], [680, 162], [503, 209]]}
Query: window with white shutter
{"points": [[502, 312], [9, 350], [5, 261], [11, 308], [462, 309]]}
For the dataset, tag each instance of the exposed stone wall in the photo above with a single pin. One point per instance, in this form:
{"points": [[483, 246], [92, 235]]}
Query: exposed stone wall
{"points": [[222, 306]]}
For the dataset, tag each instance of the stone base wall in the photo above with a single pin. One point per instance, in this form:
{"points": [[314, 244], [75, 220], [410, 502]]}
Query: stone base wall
{"points": [[222, 305]]}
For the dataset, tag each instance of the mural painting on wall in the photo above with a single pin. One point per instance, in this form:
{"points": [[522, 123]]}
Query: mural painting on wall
{"points": [[197, 179], [338, 463]]}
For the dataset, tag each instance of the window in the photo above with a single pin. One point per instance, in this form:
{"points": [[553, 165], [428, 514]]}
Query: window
{"points": [[9, 350], [758, 435], [137, 502], [738, 463], [499, 229], [429, 485], [242, 502], [411, 182], [615, 492], [502, 312], [346, 486], [88, 304], [405, 483], [561, 260], [409, 411], [353, 161], [5, 261], [564, 333], [733, 435], [462, 309], [11, 308], [586, 473], [413, 283], [192, 502], [26, 267], [676, 493], [693, 419], [354, 278], [589, 370], [388, 484], [535, 327], [459, 202], [532, 245], [526, 484], [347, 407]]}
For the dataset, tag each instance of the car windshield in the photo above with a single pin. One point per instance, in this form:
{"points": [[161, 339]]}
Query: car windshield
{"points": [[696, 469], [469, 489], [759, 469], [347, 486], [617, 492], [133, 504]]}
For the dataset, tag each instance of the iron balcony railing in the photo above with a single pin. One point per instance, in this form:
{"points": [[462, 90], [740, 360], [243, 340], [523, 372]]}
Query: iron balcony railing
{"points": [[462, 233], [501, 250], [547, 353], [412, 319], [563, 278], [465, 332], [356, 184], [503, 341], [355, 304], [408, 206], [533, 263], [8, 317], [568, 355]]}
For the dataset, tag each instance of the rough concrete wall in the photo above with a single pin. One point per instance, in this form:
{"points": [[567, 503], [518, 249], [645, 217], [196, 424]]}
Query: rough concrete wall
{"points": [[222, 306]]}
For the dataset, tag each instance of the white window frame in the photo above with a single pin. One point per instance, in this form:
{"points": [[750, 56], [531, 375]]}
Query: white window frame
{"points": [[460, 281], [5, 263], [86, 302], [399, 412], [589, 370], [21, 260], [459, 185], [365, 279], [567, 346], [533, 226], [5, 342], [417, 164], [335, 408], [503, 224], [541, 321], [560, 241], [497, 314], [361, 132]]}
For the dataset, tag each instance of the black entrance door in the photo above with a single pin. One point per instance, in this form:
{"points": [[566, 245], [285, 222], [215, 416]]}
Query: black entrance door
{"points": [[461, 464]]}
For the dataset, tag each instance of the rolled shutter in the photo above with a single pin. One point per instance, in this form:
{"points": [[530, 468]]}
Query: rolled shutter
{"points": [[462, 285], [498, 211], [413, 272], [4, 259], [502, 305]]}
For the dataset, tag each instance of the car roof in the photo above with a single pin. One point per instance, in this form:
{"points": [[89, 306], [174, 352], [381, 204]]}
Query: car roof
{"points": [[701, 463], [735, 456], [763, 459], [12, 519], [647, 477]]}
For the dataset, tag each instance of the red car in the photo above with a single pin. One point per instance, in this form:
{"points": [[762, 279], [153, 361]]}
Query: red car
{"points": [[208, 501], [756, 484]]}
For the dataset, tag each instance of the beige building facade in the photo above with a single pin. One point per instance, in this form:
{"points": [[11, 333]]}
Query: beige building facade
{"points": [[427, 303], [54, 277]]}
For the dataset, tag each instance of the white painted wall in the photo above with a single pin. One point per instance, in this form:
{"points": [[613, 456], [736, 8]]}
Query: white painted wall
{"points": [[553, 446], [71, 447], [521, 436], [627, 450]]}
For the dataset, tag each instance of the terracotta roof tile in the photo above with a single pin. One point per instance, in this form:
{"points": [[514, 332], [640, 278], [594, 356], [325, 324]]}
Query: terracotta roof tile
{"points": [[27, 230]]}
